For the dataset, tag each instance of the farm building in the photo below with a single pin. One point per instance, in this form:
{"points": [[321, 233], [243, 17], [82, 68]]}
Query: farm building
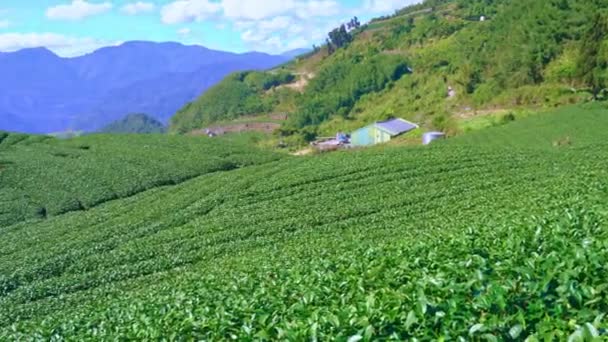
{"points": [[381, 132]]}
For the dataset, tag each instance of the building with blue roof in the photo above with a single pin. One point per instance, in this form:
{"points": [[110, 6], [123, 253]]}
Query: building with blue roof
{"points": [[381, 132]]}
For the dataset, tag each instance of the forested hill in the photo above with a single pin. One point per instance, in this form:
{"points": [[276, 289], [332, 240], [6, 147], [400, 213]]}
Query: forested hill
{"points": [[430, 63], [135, 124]]}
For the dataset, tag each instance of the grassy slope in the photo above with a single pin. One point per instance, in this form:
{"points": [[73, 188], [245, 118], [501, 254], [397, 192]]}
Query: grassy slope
{"points": [[574, 124], [457, 239], [42, 176]]}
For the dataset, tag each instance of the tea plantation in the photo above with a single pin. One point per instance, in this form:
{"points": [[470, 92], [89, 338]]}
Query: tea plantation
{"points": [[42, 176], [574, 126], [456, 241]]}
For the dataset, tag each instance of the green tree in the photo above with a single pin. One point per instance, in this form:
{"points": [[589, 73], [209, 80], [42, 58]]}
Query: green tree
{"points": [[330, 47], [340, 37], [594, 55], [354, 24]]}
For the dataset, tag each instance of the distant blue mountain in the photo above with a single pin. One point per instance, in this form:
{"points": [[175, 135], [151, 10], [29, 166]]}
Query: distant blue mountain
{"points": [[41, 92]]}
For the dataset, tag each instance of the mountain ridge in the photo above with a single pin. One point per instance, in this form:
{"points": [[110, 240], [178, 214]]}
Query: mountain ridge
{"points": [[43, 92]]}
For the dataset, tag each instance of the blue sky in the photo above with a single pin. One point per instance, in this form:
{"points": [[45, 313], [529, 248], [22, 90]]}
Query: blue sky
{"points": [[75, 27]]}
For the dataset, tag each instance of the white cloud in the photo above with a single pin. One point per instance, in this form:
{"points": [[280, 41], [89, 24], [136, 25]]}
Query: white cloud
{"points": [[186, 11], [284, 33], [183, 11], [280, 25], [184, 31], [251, 36], [243, 25], [291, 24], [138, 8], [65, 46], [77, 10], [275, 43], [317, 8], [265, 32], [253, 10], [386, 6], [277, 23], [271, 25], [297, 43]]}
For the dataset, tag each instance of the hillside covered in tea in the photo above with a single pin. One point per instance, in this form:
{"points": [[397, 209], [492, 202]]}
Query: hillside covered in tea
{"points": [[500, 234]]}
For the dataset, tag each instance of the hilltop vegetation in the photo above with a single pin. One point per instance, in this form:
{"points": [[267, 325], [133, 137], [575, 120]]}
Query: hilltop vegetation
{"points": [[459, 240], [238, 95], [41, 177], [134, 124], [338, 86], [523, 54]]}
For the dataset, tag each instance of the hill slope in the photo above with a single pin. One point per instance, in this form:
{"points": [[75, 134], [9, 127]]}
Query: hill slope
{"points": [[456, 240], [135, 123], [532, 54], [45, 93]]}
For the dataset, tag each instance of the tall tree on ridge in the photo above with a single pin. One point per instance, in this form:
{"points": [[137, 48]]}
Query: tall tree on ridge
{"points": [[593, 62]]}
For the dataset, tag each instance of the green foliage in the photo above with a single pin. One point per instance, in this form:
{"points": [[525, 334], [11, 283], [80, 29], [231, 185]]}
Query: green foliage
{"points": [[565, 68], [524, 54], [42, 176], [444, 123], [340, 37], [260, 81], [8, 140], [455, 241], [339, 85], [507, 118], [594, 54], [238, 95], [229, 99], [135, 124]]}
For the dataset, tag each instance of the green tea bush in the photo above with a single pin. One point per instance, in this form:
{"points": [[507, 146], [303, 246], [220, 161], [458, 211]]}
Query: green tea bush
{"points": [[459, 240], [59, 176]]}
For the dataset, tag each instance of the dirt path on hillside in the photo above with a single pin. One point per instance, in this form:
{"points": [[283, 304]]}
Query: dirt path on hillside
{"points": [[301, 83], [263, 127], [469, 114]]}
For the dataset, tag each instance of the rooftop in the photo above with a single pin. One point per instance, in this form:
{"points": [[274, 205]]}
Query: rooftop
{"points": [[396, 126]]}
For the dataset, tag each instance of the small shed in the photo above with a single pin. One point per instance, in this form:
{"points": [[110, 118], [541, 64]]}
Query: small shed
{"points": [[429, 137], [381, 132]]}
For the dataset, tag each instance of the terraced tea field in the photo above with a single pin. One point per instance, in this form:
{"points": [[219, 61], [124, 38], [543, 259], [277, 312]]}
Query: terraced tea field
{"points": [[453, 241], [43, 176]]}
